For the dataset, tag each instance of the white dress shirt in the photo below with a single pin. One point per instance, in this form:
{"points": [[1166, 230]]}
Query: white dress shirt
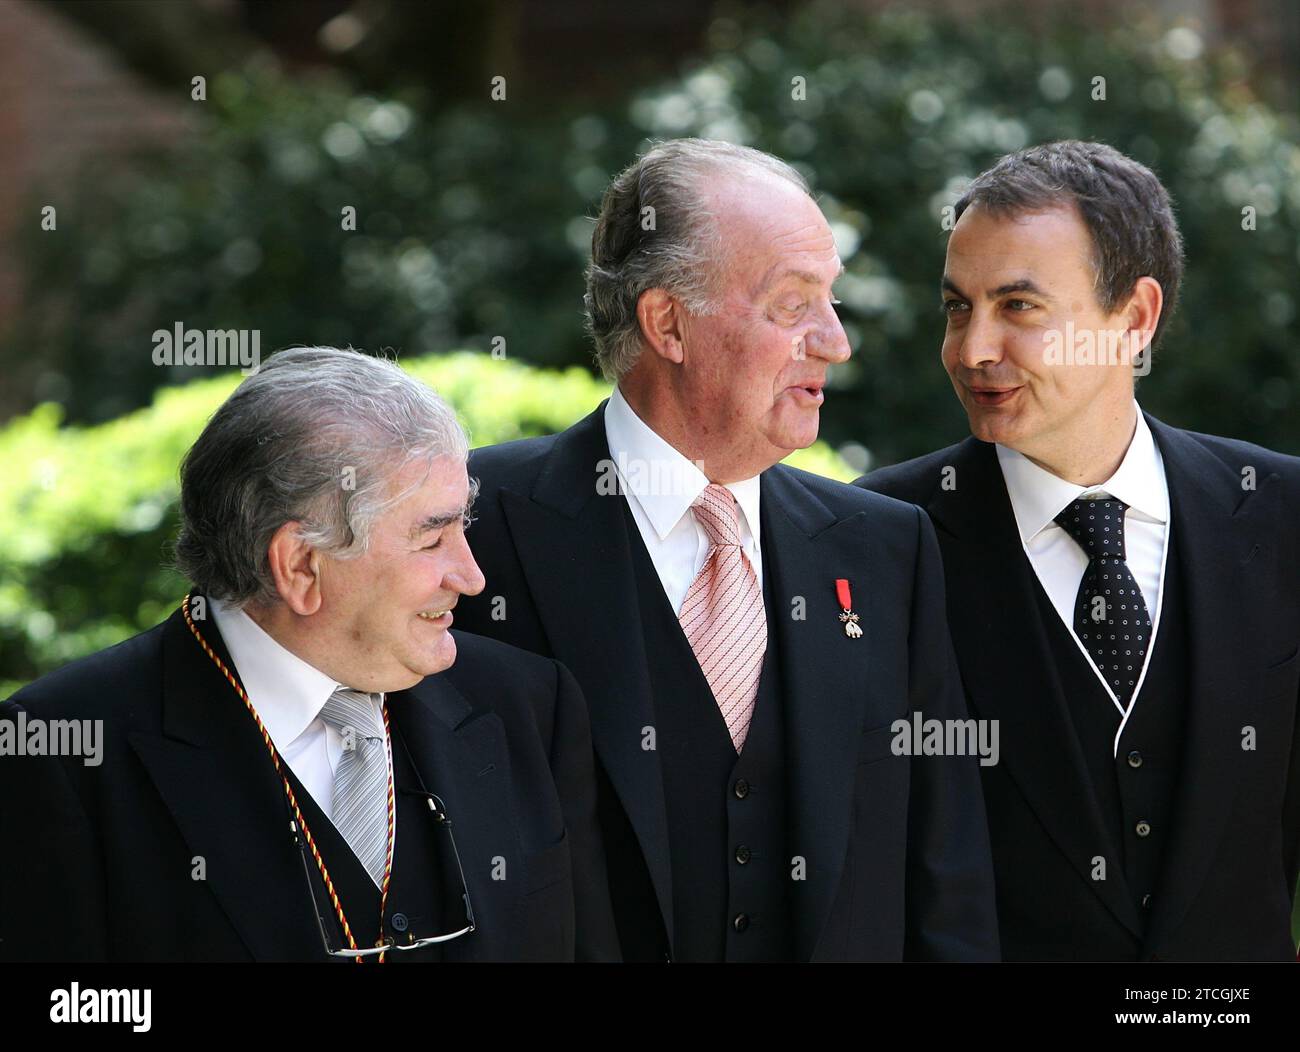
{"points": [[288, 694], [660, 486], [1038, 496]]}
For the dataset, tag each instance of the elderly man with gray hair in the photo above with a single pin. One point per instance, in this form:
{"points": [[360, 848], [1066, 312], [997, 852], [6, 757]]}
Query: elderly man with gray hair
{"points": [[748, 636], [303, 762]]}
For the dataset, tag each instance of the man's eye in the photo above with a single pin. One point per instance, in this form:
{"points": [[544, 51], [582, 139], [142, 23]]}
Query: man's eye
{"points": [[953, 306], [1024, 305], [430, 547]]}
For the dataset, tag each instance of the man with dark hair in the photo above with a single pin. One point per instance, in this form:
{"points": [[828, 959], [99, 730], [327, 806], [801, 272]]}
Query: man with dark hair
{"points": [[303, 763], [747, 635], [1123, 596]]}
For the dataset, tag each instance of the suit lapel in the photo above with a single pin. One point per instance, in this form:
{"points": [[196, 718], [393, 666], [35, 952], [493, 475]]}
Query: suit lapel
{"points": [[573, 545], [213, 771], [1221, 527], [1005, 660], [823, 676], [460, 754]]}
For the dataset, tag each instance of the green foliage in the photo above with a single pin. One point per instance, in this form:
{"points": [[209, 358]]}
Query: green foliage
{"points": [[472, 218], [90, 512], [462, 236]]}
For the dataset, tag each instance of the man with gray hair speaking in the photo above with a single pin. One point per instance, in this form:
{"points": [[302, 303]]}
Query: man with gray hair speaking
{"points": [[303, 762], [745, 634]]}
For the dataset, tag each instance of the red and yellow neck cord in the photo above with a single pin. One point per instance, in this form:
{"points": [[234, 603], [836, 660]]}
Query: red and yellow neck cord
{"points": [[293, 800]]}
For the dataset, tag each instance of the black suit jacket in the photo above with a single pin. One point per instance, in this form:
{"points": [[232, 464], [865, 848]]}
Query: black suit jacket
{"points": [[1229, 874], [97, 858], [897, 850]]}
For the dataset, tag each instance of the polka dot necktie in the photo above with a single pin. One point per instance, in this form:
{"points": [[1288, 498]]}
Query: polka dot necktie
{"points": [[1110, 615]]}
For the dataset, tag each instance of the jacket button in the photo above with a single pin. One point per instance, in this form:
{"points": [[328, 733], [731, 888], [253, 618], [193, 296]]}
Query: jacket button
{"points": [[742, 854], [741, 922], [1135, 759], [1143, 828], [399, 922], [1146, 901], [741, 789]]}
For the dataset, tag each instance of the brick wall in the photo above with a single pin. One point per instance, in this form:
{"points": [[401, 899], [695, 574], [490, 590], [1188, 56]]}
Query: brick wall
{"points": [[64, 101]]}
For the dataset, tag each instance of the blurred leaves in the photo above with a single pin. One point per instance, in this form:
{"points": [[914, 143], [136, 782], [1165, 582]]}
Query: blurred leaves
{"points": [[473, 218], [463, 234]]}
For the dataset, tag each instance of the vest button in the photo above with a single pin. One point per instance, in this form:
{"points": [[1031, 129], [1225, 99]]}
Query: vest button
{"points": [[1146, 901], [399, 922], [741, 922], [742, 854], [1143, 828], [1135, 759], [741, 788]]}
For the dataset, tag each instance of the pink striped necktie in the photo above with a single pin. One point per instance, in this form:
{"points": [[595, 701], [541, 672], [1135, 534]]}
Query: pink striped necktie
{"points": [[723, 615]]}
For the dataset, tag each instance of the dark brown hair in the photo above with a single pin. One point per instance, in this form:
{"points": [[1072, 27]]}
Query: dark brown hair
{"points": [[1124, 206]]}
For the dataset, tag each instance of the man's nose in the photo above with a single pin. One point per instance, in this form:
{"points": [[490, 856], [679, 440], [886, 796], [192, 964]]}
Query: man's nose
{"points": [[465, 577], [829, 341], [980, 342]]}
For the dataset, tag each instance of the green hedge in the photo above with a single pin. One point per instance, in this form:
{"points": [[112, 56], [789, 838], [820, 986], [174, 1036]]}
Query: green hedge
{"points": [[90, 512]]}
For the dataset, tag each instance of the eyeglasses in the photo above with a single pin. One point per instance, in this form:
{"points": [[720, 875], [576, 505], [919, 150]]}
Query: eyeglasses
{"points": [[443, 834]]}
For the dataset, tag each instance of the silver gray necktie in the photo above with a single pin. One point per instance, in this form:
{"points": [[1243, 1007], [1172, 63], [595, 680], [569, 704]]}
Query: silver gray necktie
{"points": [[361, 781]]}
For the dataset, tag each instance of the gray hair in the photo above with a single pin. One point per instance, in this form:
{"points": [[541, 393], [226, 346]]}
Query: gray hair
{"points": [[679, 252], [316, 436]]}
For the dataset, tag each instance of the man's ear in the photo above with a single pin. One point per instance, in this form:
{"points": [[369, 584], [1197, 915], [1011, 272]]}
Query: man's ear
{"points": [[295, 568], [1142, 312], [660, 318]]}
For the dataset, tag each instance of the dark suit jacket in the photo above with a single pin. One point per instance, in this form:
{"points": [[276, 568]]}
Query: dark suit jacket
{"points": [[897, 849], [96, 859], [1231, 860]]}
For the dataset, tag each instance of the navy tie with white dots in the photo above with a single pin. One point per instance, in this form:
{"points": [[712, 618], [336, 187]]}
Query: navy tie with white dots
{"points": [[1110, 615]]}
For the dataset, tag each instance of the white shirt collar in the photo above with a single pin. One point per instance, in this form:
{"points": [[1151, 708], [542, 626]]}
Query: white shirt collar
{"points": [[664, 482], [287, 692], [1038, 496]]}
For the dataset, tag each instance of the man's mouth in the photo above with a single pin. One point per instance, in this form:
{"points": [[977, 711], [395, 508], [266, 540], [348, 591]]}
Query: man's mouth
{"points": [[988, 396], [808, 393], [441, 617]]}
